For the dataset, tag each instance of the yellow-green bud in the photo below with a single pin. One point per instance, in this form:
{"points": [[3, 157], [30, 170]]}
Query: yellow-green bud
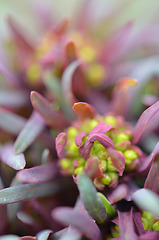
{"points": [[130, 154], [79, 170], [111, 120], [155, 226], [65, 163], [121, 137], [106, 180], [72, 132], [145, 223], [92, 123]]}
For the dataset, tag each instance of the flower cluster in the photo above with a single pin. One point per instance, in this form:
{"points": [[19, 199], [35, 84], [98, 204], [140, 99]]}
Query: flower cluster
{"points": [[79, 140]]}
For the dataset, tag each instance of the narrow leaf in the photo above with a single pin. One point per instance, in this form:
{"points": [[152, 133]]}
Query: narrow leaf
{"points": [[79, 137], [82, 222], [33, 190], [84, 110], [11, 122], [67, 82], [15, 161], [90, 199], [10, 237], [44, 235], [102, 139], [10, 78], [38, 174], [143, 121], [33, 127], [152, 180], [147, 200], [13, 98], [51, 116]]}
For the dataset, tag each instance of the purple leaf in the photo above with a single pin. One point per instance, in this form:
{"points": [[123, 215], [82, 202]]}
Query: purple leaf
{"points": [[100, 128], [144, 119], [15, 161], [38, 174], [9, 76], [33, 190], [13, 98], [61, 140], [81, 221], [85, 149], [71, 234], [84, 110], [79, 137], [67, 82], [11, 122], [138, 223], [51, 116], [102, 139], [126, 226], [152, 180], [150, 158], [147, 201], [117, 159], [33, 127], [119, 193], [150, 235]]}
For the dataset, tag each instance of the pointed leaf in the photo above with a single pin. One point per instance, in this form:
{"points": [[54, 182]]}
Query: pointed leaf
{"points": [[81, 221], [144, 119], [10, 237], [100, 128], [60, 144], [152, 180], [71, 234], [84, 110], [118, 160], [67, 82], [126, 226], [13, 98], [33, 127], [19, 36], [33, 190], [119, 193], [147, 201], [44, 235], [51, 116], [90, 199], [38, 174], [15, 161], [79, 137], [11, 122], [102, 139], [85, 149], [9, 76], [150, 158]]}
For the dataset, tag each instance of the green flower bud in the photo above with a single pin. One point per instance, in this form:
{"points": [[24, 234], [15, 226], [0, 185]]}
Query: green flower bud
{"points": [[145, 223], [110, 120], [92, 123], [155, 226], [121, 137], [65, 163], [106, 180], [72, 132], [78, 170]]}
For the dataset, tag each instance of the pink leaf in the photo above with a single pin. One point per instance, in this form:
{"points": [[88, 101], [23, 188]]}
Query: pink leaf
{"points": [[144, 119], [118, 160], [79, 137], [61, 140]]}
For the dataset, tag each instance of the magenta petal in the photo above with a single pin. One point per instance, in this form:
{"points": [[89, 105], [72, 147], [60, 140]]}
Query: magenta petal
{"points": [[60, 141], [38, 174], [144, 119], [152, 180], [84, 110], [118, 160], [100, 128], [102, 139], [81, 221], [79, 137], [15, 161]]}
